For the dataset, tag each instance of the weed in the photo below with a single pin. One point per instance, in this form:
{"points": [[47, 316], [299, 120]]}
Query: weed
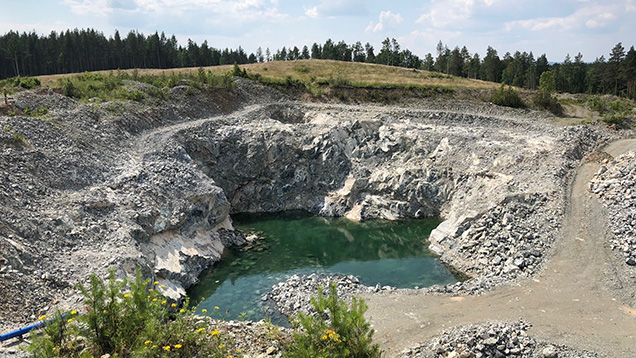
{"points": [[19, 140], [302, 69]]}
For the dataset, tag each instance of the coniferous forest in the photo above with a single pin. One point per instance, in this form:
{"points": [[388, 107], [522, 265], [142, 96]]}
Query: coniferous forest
{"points": [[30, 54]]}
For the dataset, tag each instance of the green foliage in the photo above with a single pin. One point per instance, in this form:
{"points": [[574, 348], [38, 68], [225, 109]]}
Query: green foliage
{"points": [[69, 88], [344, 333], [190, 91], [39, 112], [547, 83], [507, 97], [236, 70], [544, 97], [339, 81], [19, 140], [113, 86], [612, 111], [125, 319], [24, 82]]}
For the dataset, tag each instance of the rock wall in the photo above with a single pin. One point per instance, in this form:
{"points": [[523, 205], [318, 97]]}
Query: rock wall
{"points": [[125, 185]]}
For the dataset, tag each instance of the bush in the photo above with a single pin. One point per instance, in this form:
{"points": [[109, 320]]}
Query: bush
{"points": [[546, 101], [69, 88], [137, 322], [507, 97], [344, 333], [39, 112], [24, 82]]}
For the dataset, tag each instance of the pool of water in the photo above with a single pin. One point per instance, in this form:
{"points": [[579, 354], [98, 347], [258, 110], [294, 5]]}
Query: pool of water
{"points": [[386, 252]]}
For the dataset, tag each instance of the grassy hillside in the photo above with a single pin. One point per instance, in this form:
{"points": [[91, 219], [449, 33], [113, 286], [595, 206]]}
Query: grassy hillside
{"points": [[343, 81], [327, 72]]}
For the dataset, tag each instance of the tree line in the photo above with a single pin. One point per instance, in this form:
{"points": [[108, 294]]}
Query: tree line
{"points": [[28, 54]]}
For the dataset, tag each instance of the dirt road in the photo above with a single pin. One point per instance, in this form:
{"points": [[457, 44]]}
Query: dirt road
{"points": [[568, 303]]}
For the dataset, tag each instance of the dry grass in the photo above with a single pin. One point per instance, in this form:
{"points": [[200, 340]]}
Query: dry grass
{"points": [[323, 71]]}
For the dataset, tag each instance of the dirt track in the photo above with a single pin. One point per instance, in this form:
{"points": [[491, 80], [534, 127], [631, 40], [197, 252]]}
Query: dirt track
{"points": [[568, 303]]}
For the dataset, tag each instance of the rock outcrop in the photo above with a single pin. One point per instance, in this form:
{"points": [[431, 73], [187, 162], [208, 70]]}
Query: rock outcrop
{"points": [[97, 186]]}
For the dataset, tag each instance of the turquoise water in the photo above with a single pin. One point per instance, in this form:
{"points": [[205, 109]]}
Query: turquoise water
{"points": [[386, 252]]}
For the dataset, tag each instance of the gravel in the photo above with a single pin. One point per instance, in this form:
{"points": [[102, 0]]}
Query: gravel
{"points": [[491, 339], [615, 186]]}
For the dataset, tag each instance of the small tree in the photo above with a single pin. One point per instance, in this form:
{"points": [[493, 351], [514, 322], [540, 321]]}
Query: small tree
{"points": [[544, 98], [344, 333]]}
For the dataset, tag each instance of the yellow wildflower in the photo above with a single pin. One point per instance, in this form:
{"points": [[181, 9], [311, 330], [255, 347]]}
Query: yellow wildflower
{"points": [[42, 318], [147, 342], [216, 307], [229, 356], [154, 300], [156, 282], [73, 312], [215, 332], [221, 346], [204, 310], [150, 290], [154, 346], [324, 338], [177, 346], [200, 330], [166, 348], [163, 302], [127, 295], [70, 320], [173, 305], [163, 286], [182, 311]]}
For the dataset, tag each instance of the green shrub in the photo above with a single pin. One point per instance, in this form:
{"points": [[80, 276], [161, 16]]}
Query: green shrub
{"points": [[135, 95], [69, 88], [344, 333], [507, 97], [137, 322], [614, 118], [24, 82], [39, 112], [546, 101]]}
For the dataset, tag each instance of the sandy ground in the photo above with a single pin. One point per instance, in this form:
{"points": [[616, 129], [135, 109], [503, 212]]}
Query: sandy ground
{"points": [[568, 303]]}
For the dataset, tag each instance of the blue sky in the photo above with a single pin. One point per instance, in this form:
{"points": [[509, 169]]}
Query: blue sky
{"points": [[554, 27]]}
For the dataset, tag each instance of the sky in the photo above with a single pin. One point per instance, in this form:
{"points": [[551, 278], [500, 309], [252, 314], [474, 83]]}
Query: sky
{"points": [[553, 27]]}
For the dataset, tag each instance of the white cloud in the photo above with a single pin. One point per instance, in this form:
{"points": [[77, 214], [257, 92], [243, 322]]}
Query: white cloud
{"points": [[594, 16], [387, 20], [223, 11], [335, 8], [89, 7], [443, 13]]}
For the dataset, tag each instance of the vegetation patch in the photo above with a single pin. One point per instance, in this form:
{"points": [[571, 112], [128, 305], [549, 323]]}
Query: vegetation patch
{"points": [[120, 85], [544, 98], [129, 319], [337, 330], [613, 111], [123, 318], [23, 82], [507, 97]]}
